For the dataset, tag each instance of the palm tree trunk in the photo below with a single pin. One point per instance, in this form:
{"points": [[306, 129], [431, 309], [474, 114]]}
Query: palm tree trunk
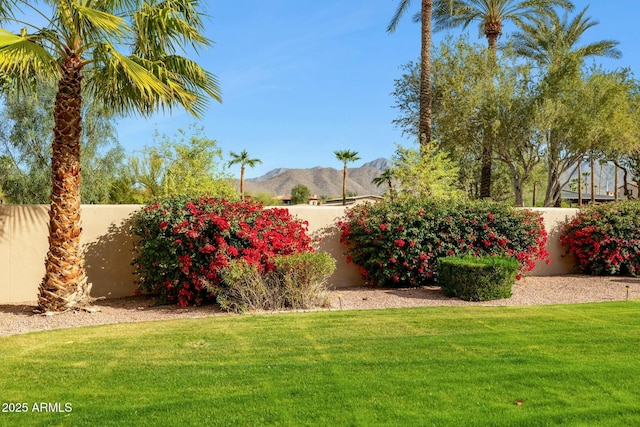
{"points": [[580, 183], [424, 125], [492, 31], [593, 182], [242, 182], [65, 286], [344, 185], [615, 181], [485, 168]]}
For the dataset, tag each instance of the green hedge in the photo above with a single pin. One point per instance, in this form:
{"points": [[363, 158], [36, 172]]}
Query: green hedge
{"points": [[477, 278]]}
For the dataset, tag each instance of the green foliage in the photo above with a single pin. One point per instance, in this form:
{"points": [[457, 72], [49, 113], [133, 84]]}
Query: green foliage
{"points": [[477, 278], [297, 282], [398, 243], [182, 165], [605, 239], [26, 169], [300, 194], [428, 173], [184, 244], [266, 199]]}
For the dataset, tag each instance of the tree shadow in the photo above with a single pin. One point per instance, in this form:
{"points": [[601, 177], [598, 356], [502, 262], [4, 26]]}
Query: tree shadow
{"points": [[108, 262], [26, 218], [327, 239], [4, 223]]}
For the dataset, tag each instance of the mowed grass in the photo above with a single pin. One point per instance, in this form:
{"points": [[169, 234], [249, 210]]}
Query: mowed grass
{"points": [[445, 366]]}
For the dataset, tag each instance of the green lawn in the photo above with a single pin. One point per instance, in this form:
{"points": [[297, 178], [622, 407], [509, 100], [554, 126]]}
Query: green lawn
{"points": [[445, 366]]}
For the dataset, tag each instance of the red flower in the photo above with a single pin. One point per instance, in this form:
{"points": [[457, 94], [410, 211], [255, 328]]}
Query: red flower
{"points": [[399, 243], [207, 249]]}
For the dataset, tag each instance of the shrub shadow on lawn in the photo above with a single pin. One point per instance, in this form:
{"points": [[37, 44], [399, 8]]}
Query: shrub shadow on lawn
{"points": [[425, 292]]}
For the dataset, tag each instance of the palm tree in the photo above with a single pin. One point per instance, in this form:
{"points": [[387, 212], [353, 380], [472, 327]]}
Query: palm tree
{"points": [[79, 46], [385, 177], [553, 44], [424, 124], [490, 15], [345, 156], [244, 160]]}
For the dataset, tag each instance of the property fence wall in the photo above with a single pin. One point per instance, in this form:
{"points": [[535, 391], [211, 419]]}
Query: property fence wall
{"points": [[107, 242]]}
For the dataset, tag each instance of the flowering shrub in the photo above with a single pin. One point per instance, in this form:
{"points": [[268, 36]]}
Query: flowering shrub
{"points": [[399, 243], [605, 239], [184, 244]]}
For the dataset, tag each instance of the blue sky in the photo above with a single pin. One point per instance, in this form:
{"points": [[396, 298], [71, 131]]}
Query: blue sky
{"points": [[301, 79]]}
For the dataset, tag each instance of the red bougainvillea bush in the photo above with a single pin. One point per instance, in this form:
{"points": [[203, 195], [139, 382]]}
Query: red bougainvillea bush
{"points": [[605, 239], [185, 244], [398, 243]]}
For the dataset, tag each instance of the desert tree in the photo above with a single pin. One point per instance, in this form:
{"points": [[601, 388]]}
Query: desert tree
{"points": [[490, 15]]}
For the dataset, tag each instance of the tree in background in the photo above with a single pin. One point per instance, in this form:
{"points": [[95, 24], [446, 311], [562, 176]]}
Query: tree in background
{"points": [[244, 160], [491, 16], [345, 156], [182, 165], [385, 177], [26, 138], [554, 44], [424, 17], [267, 199], [300, 195], [429, 173], [78, 46]]}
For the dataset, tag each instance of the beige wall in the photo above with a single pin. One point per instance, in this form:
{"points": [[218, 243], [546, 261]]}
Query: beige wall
{"points": [[107, 241]]}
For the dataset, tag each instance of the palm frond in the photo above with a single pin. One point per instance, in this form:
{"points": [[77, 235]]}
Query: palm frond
{"points": [[95, 20], [163, 28], [400, 11], [22, 58]]}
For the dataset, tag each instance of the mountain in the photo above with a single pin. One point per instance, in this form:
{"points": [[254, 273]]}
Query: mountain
{"points": [[320, 180]]}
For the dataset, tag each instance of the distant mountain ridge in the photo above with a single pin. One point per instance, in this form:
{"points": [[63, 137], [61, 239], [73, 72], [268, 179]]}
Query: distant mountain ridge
{"points": [[320, 180]]}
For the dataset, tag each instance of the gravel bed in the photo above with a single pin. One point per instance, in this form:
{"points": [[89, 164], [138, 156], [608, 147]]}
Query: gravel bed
{"points": [[571, 289]]}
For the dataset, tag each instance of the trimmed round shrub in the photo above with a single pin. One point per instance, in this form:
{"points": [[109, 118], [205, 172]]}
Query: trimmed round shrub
{"points": [[605, 239], [184, 244], [399, 243], [477, 278]]}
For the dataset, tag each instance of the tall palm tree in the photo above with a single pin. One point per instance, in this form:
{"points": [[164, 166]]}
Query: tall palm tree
{"points": [[244, 160], [424, 16], [553, 43], [345, 156], [491, 16], [81, 45]]}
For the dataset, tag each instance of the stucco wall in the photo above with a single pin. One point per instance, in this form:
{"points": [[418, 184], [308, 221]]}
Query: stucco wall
{"points": [[107, 242]]}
